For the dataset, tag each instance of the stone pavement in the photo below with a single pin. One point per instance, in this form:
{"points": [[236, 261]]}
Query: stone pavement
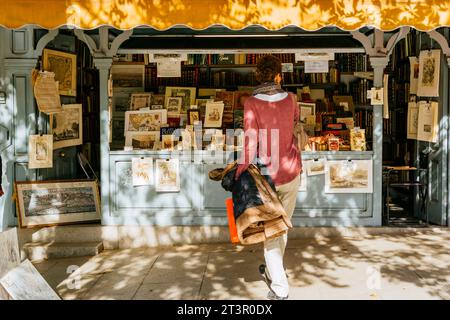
{"points": [[382, 266]]}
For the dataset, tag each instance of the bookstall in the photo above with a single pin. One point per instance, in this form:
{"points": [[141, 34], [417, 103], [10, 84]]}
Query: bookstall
{"points": [[149, 111]]}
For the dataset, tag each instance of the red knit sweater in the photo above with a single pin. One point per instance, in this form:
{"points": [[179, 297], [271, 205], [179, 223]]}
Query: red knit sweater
{"points": [[278, 119]]}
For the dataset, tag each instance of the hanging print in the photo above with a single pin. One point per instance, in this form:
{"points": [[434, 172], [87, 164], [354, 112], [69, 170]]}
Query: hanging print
{"points": [[40, 151], [429, 65], [427, 124], [413, 118], [414, 74]]}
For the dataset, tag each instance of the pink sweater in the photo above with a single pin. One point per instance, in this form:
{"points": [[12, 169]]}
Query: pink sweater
{"points": [[278, 118]]}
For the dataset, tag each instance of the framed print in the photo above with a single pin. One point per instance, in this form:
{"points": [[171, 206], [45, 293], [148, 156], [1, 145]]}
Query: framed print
{"points": [[140, 100], [315, 167], [414, 74], [158, 99], [167, 142], [129, 76], [186, 93], [303, 182], [427, 123], [64, 65], [40, 151], [349, 176], [173, 106], [142, 140], [344, 102], [142, 171], [49, 203], [306, 109], [117, 132], [201, 105], [67, 126], [167, 175], [213, 115], [138, 121], [412, 121], [193, 116], [358, 139], [120, 102], [429, 66], [227, 97]]}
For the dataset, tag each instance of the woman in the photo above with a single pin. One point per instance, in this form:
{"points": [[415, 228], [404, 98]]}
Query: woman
{"points": [[269, 119]]}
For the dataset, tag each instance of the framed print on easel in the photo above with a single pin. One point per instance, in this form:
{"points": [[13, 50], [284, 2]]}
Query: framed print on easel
{"points": [[64, 66]]}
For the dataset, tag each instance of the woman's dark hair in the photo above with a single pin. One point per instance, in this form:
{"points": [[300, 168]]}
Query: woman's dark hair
{"points": [[267, 68]]}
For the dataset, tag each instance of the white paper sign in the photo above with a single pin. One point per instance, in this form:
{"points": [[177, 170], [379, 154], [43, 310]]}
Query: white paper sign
{"points": [[287, 67], [314, 56], [168, 68], [316, 66]]}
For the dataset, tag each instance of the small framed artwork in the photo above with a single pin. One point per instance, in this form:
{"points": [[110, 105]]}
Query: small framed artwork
{"points": [[344, 103], [40, 151], [167, 175], [142, 140], [138, 121], [158, 99], [213, 115], [67, 126], [173, 106], [167, 142], [344, 176], [186, 93], [227, 97], [315, 167], [306, 109], [64, 66], [140, 100], [142, 170], [48, 203], [193, 116]]}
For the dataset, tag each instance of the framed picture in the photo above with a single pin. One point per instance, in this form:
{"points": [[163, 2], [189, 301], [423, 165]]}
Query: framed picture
{"points": [[412, 121], [140, 100], [193, 116], [213, 115], [138, 121], [429, 67], [344, 176], [49, 203], [167, 142], [142, 140], [345, 103], [306, 109], [64, 66], [142, 171], [427, 123], [315, 167], [173, 106], [186, 93], [67, 126], [358, 139], [117, 132], [167, 175], [158, 99], [227, 97], [40, 151], [120, 102], [129, 76]]}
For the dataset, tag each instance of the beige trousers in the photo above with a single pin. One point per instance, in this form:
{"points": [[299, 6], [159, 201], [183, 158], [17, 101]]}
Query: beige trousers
{"points": [[274, 248]]}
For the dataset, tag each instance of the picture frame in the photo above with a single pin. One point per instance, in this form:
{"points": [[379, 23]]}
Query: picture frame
{"points": [[140, 100], [167, 142], [346, 102], [167, 175], [139, 121], [173, 106], [67, 126], [429, 69], [306, 109], [213, 115], [315, 167], [40, 151], [128, 77], [186, 93], [349, 176], [64, 66], [142, 140], [120, 102], [193, 117], [58, 202], [158, 99]]}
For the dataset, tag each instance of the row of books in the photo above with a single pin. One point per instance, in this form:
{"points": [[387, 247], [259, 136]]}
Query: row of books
{"points": [[364, 120], [238, 58], [358, 90], [351, 62]]}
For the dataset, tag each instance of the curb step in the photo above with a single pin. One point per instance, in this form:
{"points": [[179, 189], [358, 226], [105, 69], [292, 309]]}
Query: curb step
{"points": [[50, 250]]}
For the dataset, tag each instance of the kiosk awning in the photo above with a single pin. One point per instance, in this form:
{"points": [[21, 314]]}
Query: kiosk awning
{"points": [[234, 14]]}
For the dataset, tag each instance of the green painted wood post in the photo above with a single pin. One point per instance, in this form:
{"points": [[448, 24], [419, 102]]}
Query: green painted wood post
{"points": [[104, 65]]}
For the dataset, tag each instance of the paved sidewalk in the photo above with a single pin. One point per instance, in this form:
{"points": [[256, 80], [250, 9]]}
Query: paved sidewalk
{"points": [[411, 266]]}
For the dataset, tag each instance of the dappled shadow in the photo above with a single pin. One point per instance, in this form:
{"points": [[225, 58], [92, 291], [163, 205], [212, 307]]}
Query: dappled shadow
{"points": [[412, 266]]}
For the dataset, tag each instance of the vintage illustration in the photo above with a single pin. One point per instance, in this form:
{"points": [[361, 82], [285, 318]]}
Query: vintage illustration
{"points": [[227, 97], [193, 116], [306, 109], [140, 100], [142, 140], [67, 126], [145, 120], [64, 65], [46, 93], [348, 176], [128, 76], [186, 93], [358, 139], [142, 169], [315, 167], [414, 75], [60, 202], [173, 106], [40, 151], [167, 175], [213, 114], [429, 66], [413, 120], [427, 123]]}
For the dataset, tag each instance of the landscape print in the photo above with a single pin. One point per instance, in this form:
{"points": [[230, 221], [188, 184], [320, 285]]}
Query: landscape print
{"points": [[349, 176]]}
